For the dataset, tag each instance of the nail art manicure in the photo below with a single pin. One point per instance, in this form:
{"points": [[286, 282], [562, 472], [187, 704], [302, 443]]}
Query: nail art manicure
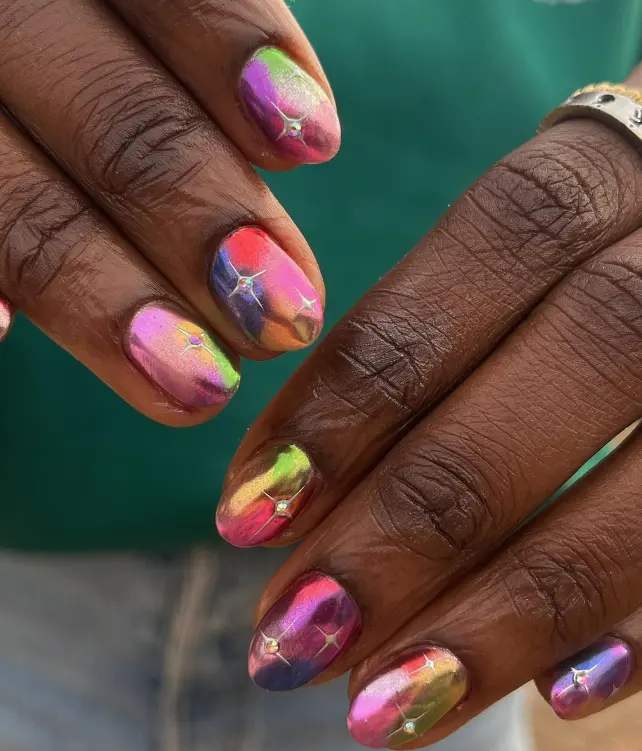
{"points": [[584, 683], [266, 292], [180, 357], [408, 698], [266, 495], [5, 319], [290, 107], [303, 633]]}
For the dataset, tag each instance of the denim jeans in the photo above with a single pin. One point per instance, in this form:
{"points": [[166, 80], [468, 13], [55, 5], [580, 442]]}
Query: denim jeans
{"points": [[142, 653]]}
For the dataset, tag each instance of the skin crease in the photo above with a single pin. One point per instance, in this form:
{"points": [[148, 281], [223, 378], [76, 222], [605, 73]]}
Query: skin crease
{"points": [[171, 183]]}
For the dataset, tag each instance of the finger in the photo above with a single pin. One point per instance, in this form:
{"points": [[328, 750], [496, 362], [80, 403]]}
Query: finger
{"points": [[161, 169], [76, 278], [541, 211], [6, 318], [225, 53], [489, 456], [568, 578]]}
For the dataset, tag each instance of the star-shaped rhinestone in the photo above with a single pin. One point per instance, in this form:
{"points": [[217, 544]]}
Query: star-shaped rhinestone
{"points": [[194, 341], [246, 284], [428, 663], [281, 509], [409, 724], [292, 126]]}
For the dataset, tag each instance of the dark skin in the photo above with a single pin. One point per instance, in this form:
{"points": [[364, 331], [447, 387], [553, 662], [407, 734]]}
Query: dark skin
{"points": [[455, 398], [156, 172]]}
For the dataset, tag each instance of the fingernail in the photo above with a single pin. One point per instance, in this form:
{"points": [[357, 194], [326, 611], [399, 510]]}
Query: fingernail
{"points": [[303, 633], [180, 357], [290, 107], [5, 319], [266, 293], [408, 698], [584, 683], [266, 495]]}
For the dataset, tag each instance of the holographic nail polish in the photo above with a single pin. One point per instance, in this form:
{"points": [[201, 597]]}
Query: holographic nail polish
{"points": [[6, 319], [584, 683], [181, 357], [290, 107], [303, 633], [410, 696], [266, 292], [265, 495]]}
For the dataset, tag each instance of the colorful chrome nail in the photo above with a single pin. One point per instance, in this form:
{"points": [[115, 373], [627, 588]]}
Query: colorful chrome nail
{"points": [[265, 496], [6, 318], [584, 683], [290, 107], [405, 700], [266, 292], [181, 357], [303, 633]]}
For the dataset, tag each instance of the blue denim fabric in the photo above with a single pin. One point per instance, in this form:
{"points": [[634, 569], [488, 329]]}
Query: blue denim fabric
{"points": [[136, 653]]}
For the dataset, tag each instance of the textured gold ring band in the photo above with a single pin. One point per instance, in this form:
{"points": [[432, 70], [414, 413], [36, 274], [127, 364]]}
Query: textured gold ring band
{"points": [[617, 106]]}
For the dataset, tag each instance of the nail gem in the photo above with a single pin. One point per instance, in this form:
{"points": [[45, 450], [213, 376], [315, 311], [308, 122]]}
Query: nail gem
{"points": [[303, 633], [181, 357], [6, 319], [266, 292], [584, 683], [266, 495], [405, 700], [290, 107]]}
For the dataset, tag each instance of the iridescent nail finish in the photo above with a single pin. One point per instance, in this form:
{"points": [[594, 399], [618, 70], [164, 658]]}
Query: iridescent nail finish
{"points": [[290, 107], [303, 633], [6, 318], [266, 292], [584, 683], [265, 496], [405, 700], [181, 357]]}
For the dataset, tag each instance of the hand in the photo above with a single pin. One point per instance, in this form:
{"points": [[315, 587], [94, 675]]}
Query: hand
{"points": [[444, 410], [136, 234]]}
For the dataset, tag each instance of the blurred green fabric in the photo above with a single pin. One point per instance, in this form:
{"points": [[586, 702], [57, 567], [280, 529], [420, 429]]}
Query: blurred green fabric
{"points": [[430, 94]]}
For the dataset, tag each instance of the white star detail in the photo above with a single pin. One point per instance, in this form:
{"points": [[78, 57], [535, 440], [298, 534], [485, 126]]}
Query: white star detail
{"points": [[409, 724], [330, 640], [246, 284], [305, 304], [292, 126], [427, 664], [194, 345], [272, 644], [279, 509]]}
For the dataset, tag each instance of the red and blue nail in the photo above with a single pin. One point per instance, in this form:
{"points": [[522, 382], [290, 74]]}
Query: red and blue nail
{"points": [[584, 683], [265, 292], [406, 699], [290, 107], [314, 622]]}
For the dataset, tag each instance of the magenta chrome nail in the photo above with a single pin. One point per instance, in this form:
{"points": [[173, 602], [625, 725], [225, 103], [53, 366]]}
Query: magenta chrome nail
{"points": [[584, 683], [180, 357], [303, 633], [407, 698], [290, 107]]}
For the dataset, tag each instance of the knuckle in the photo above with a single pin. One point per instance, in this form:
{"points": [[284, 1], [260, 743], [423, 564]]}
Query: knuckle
{"points": [[436, 504], [43, 238]]}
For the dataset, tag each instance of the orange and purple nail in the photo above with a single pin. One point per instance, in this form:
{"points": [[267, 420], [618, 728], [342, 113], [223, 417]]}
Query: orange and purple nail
{"points": [[290, 107], [6, 318], [408, 698], [266, 292], [180, 357], [263, 498], [584, 683], [314, 622]]}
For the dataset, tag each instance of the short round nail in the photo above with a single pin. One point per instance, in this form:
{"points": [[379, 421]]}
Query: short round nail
{"points": [[314, 622], [266, 494], [290, 107], [6, 318], [180, 357], [408, 698], [584, 683], [265, 292]]}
